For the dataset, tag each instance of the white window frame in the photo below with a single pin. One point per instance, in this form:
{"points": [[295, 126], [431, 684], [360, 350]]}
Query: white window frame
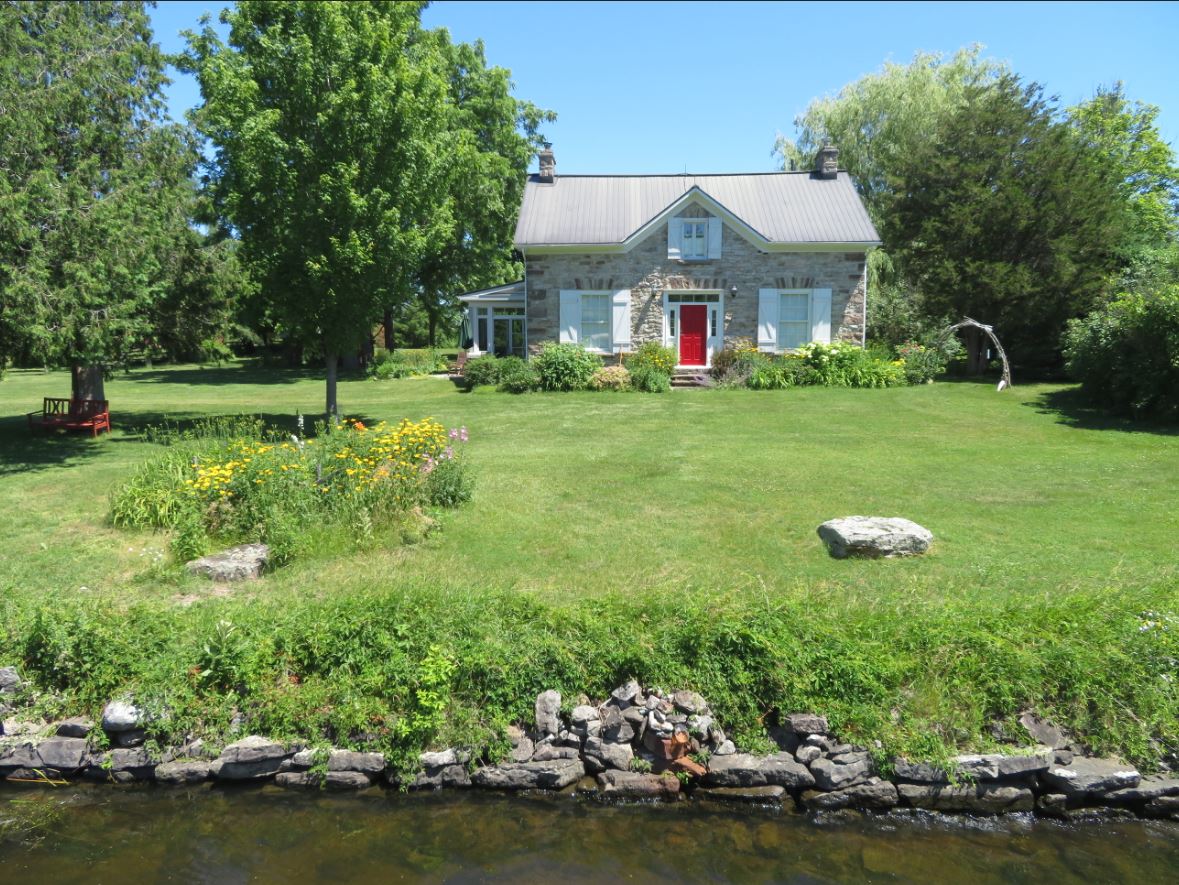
{"points": [[607, 299], [806, 324], [700, 242]]}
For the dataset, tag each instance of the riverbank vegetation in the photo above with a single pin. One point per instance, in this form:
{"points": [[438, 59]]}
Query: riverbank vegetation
{"points": [[667, 538]]}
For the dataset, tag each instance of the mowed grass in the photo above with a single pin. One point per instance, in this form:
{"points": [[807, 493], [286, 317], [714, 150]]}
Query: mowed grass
{"points": [[1025, 491]]}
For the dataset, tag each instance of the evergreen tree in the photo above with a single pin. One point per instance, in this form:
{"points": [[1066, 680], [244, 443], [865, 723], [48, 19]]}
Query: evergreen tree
{"points": [[1005, 215], [93, 182]]}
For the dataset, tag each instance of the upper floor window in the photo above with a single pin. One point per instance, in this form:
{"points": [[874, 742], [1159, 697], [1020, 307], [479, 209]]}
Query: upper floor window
{"points": [[695, 239]]}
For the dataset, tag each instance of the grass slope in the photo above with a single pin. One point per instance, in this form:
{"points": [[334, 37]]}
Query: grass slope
{"points": [[670, 537]]}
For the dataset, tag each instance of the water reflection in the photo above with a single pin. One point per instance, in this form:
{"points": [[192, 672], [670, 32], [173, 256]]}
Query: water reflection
{"points": [[267, 835]]}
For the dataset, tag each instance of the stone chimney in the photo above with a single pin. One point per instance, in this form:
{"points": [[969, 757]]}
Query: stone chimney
{"points": [[827, 162], [548, 163]]}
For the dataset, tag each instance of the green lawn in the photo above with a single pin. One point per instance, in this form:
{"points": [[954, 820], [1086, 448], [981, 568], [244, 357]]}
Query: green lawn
{"points": [[668, 538], [579, 493]]}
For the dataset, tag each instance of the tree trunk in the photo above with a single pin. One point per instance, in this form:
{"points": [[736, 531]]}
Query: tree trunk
{"points": [[387, 322], [295, 355], [976, 352], [86, 382], [432, 320], [331, 360]]}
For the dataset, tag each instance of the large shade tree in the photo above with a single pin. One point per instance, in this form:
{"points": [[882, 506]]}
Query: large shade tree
{"points": [[360, 158], [94, 184]]}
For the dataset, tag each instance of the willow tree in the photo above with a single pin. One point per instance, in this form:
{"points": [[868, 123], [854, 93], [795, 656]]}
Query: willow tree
{"points": [[329, 127], [93, 184]]}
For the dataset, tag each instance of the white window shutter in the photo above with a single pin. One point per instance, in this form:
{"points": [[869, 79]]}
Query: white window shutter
{"points": [[620, 314], [570, 316], [675, 237], [714, 237], [767, 319], [821, 315]]}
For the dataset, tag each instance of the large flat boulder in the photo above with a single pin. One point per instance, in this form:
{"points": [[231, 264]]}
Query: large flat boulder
{"points": [[970, 798], [840, 772], [554, 775], [636, 785], [876, 794], [745, 770], [235, 564], [1091, 777], [874, 536], [989, 767], [182, 773], [250, 758]]}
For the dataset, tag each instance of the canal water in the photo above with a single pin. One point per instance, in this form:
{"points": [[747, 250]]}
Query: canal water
{"points": [[266, 835]]}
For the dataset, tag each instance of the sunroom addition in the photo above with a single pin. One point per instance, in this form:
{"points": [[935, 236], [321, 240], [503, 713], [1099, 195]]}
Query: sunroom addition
{"points": [[497, 320]]}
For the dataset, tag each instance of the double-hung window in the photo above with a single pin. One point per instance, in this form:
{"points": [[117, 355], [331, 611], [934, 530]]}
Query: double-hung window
{"points": [[595, 320], [694, 245], [794, 321]]}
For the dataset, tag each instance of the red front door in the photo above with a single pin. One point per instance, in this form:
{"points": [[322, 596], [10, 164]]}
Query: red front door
{"points": [[693, 334]]}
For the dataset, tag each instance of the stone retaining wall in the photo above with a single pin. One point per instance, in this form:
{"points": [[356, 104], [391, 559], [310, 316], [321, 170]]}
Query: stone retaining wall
{"points": [[639, 743]]}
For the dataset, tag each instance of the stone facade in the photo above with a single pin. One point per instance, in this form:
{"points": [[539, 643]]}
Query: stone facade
{"points": [[648, 273]]}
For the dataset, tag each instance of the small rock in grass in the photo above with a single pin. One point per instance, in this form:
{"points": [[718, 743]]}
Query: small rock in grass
{"points": [[235, 564]]}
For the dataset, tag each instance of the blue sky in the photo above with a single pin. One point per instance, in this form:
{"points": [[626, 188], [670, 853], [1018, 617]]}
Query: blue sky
{"points": [[705, 87]]}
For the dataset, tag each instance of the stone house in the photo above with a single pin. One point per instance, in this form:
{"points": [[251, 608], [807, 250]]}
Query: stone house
{"points": [[689, 261]]}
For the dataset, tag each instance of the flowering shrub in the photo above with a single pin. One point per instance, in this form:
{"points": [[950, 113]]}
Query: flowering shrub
{"points": [[652, 355], [610, 378], [840, 364], [264, 488], [735, 351]]}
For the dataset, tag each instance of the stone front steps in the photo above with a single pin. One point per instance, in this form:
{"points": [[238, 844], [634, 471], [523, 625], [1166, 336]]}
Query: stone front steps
{"points": [[682, 378]]}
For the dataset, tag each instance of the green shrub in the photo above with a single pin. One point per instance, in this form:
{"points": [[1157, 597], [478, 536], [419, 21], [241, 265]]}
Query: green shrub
{"points": [[771, 376], [610, 378], [449, 483], [734, 366], [482, 371], [653, 355], [840, 364], [565, 366], [929, 358], [516, 376], [1126, 355], [648, 379], [406, 363]]}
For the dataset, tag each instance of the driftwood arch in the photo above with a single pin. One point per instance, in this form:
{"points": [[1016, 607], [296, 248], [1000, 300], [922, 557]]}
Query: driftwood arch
{"points": [[968, 323]]}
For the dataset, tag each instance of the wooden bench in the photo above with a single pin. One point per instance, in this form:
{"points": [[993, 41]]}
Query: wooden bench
{"points": [[70, 414]]}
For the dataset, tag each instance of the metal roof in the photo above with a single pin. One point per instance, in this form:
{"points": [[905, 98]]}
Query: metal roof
{"points": [[507, 292], [784, 207]]}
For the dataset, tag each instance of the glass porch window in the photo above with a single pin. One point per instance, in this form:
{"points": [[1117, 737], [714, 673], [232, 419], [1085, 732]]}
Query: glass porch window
{"points": [[595, 321]]}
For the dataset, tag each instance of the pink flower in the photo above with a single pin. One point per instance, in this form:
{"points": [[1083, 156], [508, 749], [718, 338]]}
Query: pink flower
{"points": [[448, 453], [453, 433], [463, 434]]}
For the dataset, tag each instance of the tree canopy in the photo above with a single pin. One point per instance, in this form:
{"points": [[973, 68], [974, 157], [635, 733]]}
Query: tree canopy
{"points": [[992, 201], [94, 183], [361, 159]]}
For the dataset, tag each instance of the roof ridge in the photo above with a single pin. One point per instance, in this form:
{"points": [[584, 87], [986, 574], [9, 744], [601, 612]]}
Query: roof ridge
{"points": [[679, 174]]}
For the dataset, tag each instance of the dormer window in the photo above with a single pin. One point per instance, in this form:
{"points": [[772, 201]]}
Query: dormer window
{"points": [[695, 239]]}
